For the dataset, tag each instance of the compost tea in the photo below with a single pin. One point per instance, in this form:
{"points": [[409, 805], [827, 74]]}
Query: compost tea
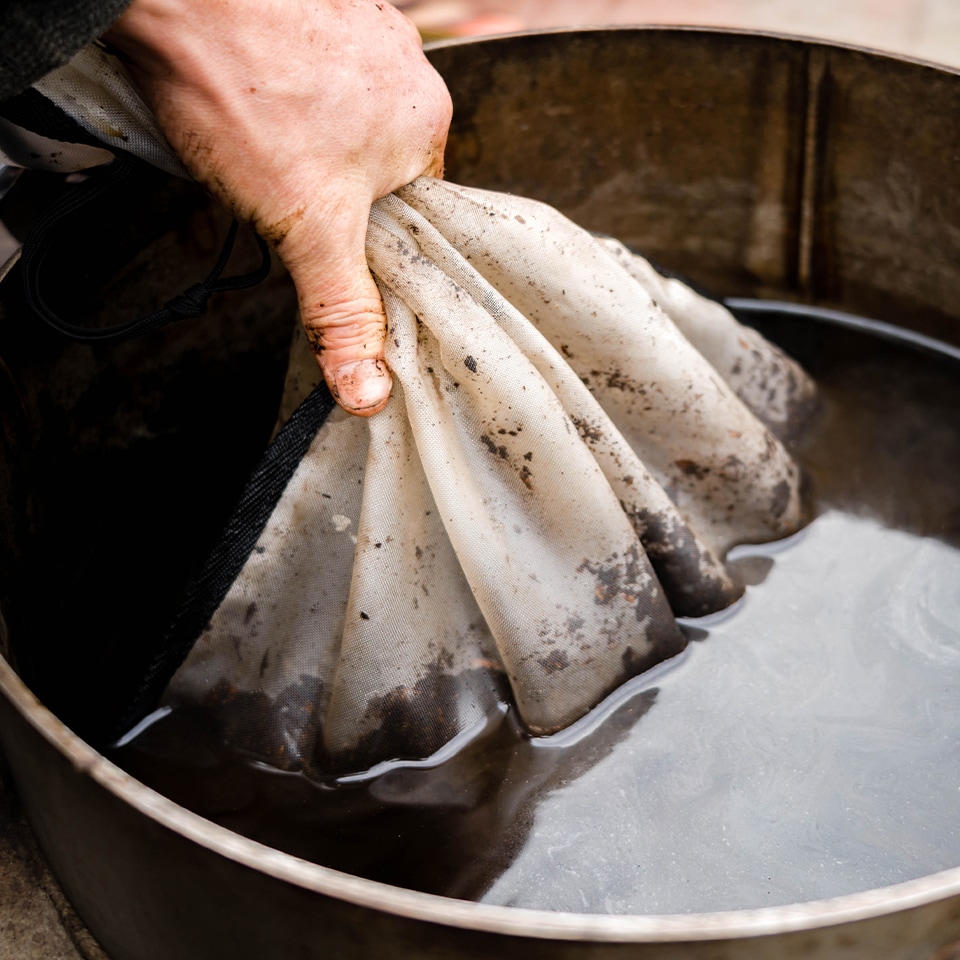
{"points": [[807, 746]]}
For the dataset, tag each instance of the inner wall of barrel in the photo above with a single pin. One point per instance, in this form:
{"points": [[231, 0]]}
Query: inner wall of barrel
{"points": [[121, 463], [754, 166]]}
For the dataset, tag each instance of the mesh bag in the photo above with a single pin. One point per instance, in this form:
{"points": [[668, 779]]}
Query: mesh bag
{"points": [[573, 444]]}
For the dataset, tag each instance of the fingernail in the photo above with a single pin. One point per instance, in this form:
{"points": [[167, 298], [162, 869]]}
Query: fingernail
{"points": [[362, 385]]}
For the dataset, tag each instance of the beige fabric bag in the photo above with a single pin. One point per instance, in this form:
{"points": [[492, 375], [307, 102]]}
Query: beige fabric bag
{"points": [[572, 446]]}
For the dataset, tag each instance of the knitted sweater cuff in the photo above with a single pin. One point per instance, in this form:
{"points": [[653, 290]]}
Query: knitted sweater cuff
{"points": [[39, 35]]}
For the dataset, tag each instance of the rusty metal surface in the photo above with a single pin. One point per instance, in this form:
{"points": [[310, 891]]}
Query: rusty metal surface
{"points": [[754, 165]]}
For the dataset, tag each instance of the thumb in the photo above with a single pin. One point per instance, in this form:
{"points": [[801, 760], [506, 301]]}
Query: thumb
{"points": [[341, 310]]}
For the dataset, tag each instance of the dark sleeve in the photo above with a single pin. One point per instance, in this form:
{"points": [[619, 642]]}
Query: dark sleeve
{"points": [[38, 35]]}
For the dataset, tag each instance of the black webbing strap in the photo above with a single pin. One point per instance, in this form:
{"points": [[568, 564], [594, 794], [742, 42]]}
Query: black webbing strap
{"points": [[239, 540], [191, 303]]}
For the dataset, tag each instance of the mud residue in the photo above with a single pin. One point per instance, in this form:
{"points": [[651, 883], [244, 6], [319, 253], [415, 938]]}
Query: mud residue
{"points": [[689, 468], [694, 581], [278, 730], [618, 577], [780, 499], [276, 232], [412, 723], [776, 390], [520, 463], [636, 661], [498, 450], [554, 662], [587, 430], [639, 616]]}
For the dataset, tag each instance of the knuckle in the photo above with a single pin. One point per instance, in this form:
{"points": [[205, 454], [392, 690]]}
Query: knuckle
{"points": [[346, 327]]}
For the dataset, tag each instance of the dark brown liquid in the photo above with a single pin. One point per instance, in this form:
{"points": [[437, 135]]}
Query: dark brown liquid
{"points": [[808, 747]]}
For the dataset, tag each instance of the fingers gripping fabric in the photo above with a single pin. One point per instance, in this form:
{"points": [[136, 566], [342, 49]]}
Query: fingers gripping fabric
{"points": [[557, 477]]}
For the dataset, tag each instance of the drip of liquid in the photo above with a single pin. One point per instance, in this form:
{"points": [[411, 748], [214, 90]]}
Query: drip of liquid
{"points": [[808, 747]]}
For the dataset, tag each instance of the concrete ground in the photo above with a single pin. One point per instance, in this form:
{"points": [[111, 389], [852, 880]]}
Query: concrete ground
{"points": [[36, 920]]}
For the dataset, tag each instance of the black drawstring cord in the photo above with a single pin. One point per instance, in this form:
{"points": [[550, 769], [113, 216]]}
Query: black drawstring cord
{"points": [[191, 303]]}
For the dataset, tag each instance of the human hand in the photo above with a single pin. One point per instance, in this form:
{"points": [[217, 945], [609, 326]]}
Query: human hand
{"points": [[298, 115]]}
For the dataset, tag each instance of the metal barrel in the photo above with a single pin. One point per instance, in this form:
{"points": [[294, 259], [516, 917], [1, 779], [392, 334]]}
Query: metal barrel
{"points": [[756, 166]]}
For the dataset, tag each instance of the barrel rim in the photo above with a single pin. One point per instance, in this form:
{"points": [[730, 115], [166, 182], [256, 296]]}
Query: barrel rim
{"points": [[479, 917], [798, 39]]}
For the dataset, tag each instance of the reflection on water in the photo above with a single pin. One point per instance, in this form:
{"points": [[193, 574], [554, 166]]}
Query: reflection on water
{"points": [[808, 747]]}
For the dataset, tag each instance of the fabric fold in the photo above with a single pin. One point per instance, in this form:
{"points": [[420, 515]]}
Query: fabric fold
{"points": [[556, 479]]}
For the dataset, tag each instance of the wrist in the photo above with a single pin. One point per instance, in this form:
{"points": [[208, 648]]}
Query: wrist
{"points": [[145, 27]]}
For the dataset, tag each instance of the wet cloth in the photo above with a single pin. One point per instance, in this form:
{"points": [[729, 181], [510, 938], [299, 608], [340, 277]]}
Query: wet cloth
{"points": [[556, 479]]}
